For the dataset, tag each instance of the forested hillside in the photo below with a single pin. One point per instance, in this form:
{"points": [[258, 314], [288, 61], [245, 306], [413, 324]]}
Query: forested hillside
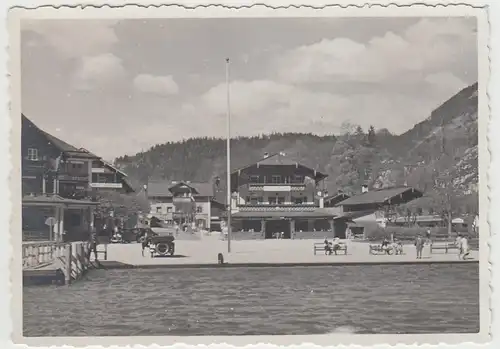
{"points": [[438, 155]]}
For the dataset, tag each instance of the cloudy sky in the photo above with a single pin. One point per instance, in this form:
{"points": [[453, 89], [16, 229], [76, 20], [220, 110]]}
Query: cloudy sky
{"points": [[118, 87]]}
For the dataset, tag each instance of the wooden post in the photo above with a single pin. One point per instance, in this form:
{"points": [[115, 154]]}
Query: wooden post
{"points": [[86, 256], [78, 259], [60, 229], [67, 266]]}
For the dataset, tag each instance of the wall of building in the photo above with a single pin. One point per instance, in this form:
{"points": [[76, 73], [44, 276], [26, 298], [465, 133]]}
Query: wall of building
{"points": [[289, 197], [165, 209], [33, 169]]}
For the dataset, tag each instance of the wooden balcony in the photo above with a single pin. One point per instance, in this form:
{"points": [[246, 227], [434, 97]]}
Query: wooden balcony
{"points": [[72, 177], [106, 185], [279, 207], [284, 187]]}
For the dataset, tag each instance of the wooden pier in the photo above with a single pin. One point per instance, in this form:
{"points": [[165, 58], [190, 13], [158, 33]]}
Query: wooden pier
{"points": [[55, 262]]}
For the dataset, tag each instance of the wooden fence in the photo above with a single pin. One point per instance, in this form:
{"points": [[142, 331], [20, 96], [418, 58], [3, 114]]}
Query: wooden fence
{"points": [[73, 259]]}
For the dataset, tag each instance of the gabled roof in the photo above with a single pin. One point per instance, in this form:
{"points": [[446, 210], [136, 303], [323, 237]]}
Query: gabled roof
{"points": [[380, 196], [162, 188], [183, 184], [279, 159], [336, 198], [63, 147]]}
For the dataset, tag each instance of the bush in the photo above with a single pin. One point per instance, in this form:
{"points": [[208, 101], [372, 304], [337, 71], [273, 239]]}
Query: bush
{"points": [[375, 233], [402, 233]]}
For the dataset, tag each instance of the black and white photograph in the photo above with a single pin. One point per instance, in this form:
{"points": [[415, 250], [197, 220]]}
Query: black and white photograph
{"points": [[230, 175]]}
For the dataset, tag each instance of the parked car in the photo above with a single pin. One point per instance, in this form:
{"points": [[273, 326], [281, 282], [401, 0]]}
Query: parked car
{"points": [[162, 246]]}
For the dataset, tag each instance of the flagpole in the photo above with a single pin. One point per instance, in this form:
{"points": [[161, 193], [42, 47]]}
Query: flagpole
{"points": [[228, 170]]}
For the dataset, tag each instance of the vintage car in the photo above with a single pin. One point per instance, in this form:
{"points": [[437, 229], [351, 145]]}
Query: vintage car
{"points": [[161, 246], [141, 232]]}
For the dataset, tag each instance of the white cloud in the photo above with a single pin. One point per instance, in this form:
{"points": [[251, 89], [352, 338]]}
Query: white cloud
{"points": [[430, 45], [266, 106], [445, 81], [160, 85], [98, 71], [75, 38]]}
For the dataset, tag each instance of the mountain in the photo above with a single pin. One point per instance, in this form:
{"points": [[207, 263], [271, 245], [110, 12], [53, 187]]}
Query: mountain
{"points": [[441, 149]]}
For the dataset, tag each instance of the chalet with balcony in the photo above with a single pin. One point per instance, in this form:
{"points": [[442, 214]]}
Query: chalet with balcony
{"points": [[52, 166], [183, 202], [279, 195], [107, 177], [55, 177]]}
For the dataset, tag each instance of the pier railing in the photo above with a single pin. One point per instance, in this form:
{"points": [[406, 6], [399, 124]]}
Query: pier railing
{"points": [[39, 253], [72, 258]]}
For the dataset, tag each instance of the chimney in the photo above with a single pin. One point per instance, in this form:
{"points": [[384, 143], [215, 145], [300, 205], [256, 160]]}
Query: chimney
{"points": [[266, 155], [364, 188]]}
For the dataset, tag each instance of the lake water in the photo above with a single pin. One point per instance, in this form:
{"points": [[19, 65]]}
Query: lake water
{"points": [[430, 298]]}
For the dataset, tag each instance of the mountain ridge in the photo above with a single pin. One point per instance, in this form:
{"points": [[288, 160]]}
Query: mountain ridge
{"points": [[443, 143]]}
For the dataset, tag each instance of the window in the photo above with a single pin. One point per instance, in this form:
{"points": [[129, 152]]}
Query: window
{"points": [[254, 179], [281, 200], [158, 209], [254, 200], [169, 209], [298, 200], [33, 154], [272, 201], [199, 209], [276, 179], [298, 179]]}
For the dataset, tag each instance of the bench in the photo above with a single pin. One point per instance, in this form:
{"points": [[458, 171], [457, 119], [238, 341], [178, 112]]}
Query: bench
{"points": [[390, 249], [445, 246], [319, 246], [377, 249]]}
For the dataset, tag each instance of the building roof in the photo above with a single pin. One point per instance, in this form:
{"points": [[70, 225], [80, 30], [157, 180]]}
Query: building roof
{"points": [[336, 198], [380, 196], [317, 213], [355, 214], [162, 188], [60, 144], [279, 159], [73, 151], [55, 200]]}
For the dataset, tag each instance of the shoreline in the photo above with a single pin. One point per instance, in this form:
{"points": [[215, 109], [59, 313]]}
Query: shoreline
{"points": [[109, 265], [51, 276]]}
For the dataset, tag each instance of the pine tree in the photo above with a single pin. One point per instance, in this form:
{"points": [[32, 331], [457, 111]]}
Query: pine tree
{"points": [[371, 136]]}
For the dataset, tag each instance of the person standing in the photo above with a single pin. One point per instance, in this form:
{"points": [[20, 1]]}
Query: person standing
{"points": [[419, 245], [93, 243], [464, 248]]}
